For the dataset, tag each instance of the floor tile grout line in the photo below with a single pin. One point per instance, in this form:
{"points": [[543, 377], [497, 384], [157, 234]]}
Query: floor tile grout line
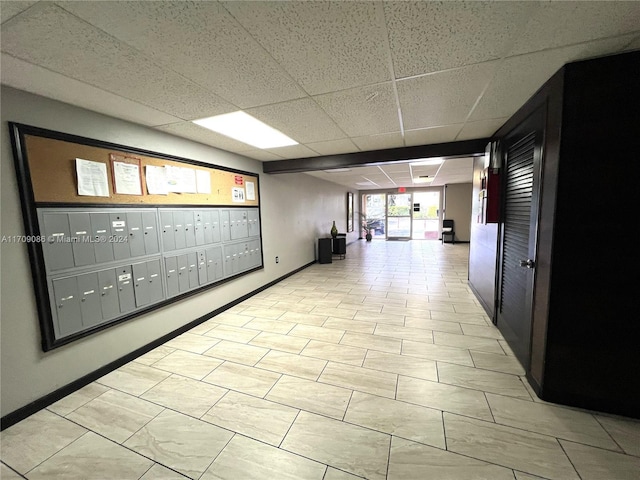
{"points": [[344, 415], [67, 445], [13, 470], [493, 418], [218, 454], [568, 457], [595, 417], [289, 429], [549, 435], [88, 430], [444, 431]]}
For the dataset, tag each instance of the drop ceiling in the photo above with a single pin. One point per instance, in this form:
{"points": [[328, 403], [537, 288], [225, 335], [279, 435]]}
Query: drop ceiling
{"points": [[336, 76]]}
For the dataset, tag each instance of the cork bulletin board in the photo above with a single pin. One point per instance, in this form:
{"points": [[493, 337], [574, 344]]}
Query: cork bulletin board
{"points": [[52, 167], [114, 232]]}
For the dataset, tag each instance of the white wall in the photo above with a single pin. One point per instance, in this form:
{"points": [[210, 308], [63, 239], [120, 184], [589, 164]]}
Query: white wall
{"points": [[457, 206], [296, 210]]}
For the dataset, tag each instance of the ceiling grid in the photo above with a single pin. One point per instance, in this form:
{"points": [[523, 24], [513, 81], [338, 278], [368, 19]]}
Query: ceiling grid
{"points": [[338, 77]]}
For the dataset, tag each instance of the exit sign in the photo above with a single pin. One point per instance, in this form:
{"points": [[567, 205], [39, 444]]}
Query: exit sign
{"points": [[402, 189]]}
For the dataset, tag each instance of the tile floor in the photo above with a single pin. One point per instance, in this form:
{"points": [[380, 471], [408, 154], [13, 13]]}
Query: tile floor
{"points": [[380, 366]]}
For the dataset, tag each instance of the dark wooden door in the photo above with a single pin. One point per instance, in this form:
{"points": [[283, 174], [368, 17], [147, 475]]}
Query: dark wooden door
{"points": [[522, 154]]}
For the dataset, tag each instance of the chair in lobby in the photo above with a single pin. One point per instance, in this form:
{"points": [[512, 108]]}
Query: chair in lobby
{"points": [[448, 229]]}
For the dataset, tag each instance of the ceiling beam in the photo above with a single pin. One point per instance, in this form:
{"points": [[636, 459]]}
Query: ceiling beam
{"points": [[466, 148]]}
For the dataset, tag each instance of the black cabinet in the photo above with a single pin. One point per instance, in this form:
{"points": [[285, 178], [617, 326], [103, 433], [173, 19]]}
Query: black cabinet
{"points": [[324, 250]]}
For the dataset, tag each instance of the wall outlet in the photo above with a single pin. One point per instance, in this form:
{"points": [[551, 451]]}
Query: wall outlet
{"points": [[277, 259]]}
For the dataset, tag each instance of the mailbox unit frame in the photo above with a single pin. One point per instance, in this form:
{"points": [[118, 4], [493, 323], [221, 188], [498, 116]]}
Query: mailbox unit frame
{"points": [[87, 274]]}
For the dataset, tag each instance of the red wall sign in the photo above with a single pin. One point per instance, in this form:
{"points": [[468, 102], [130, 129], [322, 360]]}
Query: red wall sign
{"points": [[239, 179]]}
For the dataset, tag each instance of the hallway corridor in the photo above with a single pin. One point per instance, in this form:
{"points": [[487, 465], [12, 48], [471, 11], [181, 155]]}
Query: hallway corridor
{"points": [[379, 366]]}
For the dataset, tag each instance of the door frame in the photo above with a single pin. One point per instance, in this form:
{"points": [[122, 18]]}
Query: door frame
{"points": [[535, 122]]}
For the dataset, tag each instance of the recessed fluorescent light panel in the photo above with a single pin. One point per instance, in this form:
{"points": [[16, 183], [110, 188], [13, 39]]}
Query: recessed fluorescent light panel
{"points": [[427, 161], [423, 180], [246, 129]]}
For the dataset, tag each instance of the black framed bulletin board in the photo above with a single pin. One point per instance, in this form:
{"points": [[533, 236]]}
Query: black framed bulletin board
{"points": [[114, 231]]}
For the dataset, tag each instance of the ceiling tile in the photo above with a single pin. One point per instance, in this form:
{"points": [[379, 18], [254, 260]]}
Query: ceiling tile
{"points": [[201, 41], [442, 98], [379, 142], [428, 136], [9, 9], [548, 26], [293, 151], [303, 120], [452, 164], [455, 170], [34, 79], [41, 36], [363, 111], [396, 168], [365, 171], [333, 147], [432, 36], [325, 46], [518, 78], [261, 155], [481, 128], [199, 134], [377, 178]]}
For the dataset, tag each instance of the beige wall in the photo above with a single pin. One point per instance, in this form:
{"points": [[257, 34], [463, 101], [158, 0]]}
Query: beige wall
{"points": [[457, 206], [296, 210]]}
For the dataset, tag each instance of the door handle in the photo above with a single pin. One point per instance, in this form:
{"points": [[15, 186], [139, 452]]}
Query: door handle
{"points": [[528, 263]]}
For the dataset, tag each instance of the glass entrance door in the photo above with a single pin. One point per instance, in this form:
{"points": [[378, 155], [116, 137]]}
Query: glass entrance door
{"points": [[426, 219], [399, 216]]}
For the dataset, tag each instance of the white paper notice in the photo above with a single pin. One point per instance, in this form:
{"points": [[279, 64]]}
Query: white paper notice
{"points": [[127, 178], [251, 190], [181, 180], [173, 178], [203, 181], [156, 180], [92, 178], [189, 180], [237, 194]]}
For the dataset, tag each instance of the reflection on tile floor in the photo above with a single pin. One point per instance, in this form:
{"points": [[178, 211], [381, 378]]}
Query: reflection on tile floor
{"points": [[381, 366]]}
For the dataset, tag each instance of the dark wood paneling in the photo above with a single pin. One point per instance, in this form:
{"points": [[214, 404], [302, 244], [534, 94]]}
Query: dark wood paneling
{"points": [[482, 248], [592, 343], [584, 329]]}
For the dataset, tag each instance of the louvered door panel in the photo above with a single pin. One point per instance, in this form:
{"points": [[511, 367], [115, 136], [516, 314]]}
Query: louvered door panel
{"points": [[516, 280]]}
